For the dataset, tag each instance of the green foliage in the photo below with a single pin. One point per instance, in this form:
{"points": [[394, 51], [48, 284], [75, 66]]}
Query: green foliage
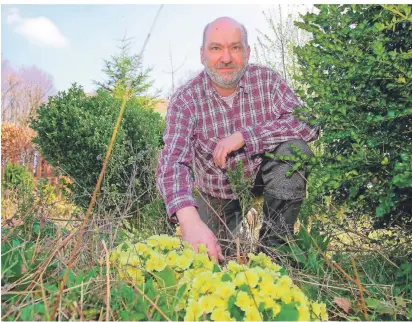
{"points": [[358, 71], [16, 177], [124, 71], [74, 132]]}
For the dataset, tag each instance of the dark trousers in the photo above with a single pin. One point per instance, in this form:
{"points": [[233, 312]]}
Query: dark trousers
{"points": [[282, 198]]}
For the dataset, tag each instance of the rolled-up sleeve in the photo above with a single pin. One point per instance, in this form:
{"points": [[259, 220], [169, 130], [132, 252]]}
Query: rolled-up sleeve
{"points": [[173, 176]]}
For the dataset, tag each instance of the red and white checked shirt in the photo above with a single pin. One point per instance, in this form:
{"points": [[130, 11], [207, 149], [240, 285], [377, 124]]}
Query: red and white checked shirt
{"points": [[197, 118]]}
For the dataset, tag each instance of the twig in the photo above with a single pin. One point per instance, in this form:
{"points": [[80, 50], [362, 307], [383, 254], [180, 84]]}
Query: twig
{"points": [[360, 290], [107, 281], [43, 293]]}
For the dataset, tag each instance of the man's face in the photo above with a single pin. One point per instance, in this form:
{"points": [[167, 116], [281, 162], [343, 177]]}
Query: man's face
{"points": [[224, 54]]}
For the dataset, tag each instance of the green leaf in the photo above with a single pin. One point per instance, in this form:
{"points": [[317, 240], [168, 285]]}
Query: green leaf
{"points": [[226, 277], [372, 303], [385, 310], [231, 302], [166, 278], [288, 313], [179, 295], [379, 26], [216, 268]]}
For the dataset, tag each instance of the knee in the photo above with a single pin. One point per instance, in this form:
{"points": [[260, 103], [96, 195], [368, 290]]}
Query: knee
{"points": [[285, 148]]}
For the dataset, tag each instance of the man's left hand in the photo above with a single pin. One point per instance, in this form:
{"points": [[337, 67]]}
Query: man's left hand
{"points": [[225, 146]]}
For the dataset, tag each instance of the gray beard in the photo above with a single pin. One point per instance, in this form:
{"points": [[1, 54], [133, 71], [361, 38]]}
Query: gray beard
{"points": [[224, 82]]}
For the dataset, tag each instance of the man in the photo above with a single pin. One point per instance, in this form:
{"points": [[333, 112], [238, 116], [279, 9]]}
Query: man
{"points": [[230, 112]]}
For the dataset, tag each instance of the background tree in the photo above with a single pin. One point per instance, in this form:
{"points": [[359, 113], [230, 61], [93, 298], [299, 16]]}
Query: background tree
{"points": [[23, 91], [125, 69]]}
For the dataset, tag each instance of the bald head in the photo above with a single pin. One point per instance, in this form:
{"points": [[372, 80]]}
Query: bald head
{"points": [[225, 22]]}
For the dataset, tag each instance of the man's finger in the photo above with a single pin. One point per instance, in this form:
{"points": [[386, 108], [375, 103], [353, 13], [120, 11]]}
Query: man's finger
{"points": [[212, 251], [219, 253], [216, 154]]}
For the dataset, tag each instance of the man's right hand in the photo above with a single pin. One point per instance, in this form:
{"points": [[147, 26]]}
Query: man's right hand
{"points": [[195, 231]]}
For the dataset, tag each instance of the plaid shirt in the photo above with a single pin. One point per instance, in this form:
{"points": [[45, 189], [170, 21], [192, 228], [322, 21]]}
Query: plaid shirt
{"points": [[197, 118]]}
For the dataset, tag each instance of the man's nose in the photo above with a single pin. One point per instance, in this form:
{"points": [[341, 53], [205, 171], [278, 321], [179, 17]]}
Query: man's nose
{"points": [[226, 56]]}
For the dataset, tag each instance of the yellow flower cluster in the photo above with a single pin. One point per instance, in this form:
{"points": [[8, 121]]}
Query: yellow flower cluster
{"points": [[256, 291]]}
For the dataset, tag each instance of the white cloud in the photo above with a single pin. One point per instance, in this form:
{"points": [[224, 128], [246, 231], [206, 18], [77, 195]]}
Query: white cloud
{"points": [[40, 31]]}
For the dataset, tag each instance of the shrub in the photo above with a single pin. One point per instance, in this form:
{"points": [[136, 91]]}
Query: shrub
{"points": [[358, 71], [16, 177], [187, 285], [74, 131]]}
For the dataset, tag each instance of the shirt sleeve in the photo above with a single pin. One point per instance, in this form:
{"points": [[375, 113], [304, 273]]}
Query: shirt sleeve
{"points": [[265, 137], [173, 176]]}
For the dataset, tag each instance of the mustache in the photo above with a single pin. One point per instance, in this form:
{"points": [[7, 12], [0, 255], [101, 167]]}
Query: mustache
{"points": [[229, 65]]}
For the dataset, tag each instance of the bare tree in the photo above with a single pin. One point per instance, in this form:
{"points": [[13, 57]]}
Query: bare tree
{"points": [[174, 70], [276, 48], [187, 76], [23, 91]]}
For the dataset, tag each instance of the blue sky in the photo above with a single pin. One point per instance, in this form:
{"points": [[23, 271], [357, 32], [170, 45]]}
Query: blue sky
{"points": [[71, 41]]}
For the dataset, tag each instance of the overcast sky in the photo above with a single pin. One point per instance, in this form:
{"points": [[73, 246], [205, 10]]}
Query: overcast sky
{"points": [[71, 41]]}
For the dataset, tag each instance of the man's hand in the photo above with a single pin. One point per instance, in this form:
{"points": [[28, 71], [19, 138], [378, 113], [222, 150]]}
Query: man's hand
{"points": [[225, 146], [195, 232]]}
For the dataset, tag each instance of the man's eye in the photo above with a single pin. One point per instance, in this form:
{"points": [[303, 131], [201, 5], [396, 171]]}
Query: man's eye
{"points": [[236, 48], [215, 48]]}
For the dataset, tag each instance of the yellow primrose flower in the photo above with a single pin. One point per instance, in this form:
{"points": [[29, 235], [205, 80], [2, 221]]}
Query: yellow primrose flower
{"points": [[207, 287], [243, 301], [193, 311], [252, 314], [174, 243], [183, 262], [207, 303], [189, 254], [234, 267], [219, 302], [257, 296], [276, 308], [114, 256], [202, 249], [221, 314], [269, 290], [124, 258], [298, 296], [271, 304], [285, 282], [171, 258], [135, 260], [181, 304], [252, 278], [303, 313], [319, 309], [225, 290], [200, 260], [240, 279], [153, 241], [142, 249], [135, 274], [287, 296], [266, 278], [316, 308], [156, 262], [187, 276]]}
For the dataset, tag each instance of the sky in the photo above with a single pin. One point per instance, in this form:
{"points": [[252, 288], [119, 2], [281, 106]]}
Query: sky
{"points": [[70, 41]]}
